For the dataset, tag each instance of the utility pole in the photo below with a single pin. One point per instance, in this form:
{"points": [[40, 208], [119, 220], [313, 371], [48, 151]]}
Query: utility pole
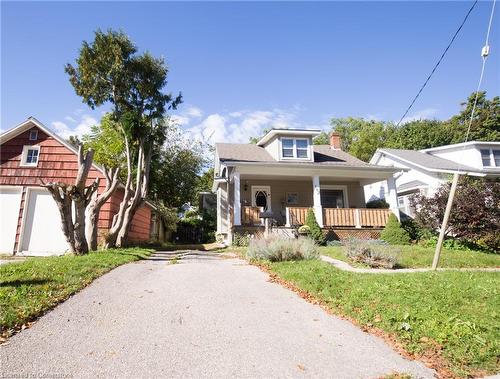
{"points": [[444, 225]]}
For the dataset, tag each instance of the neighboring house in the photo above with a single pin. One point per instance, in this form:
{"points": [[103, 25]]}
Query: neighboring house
{"points": [[428, 169], [284, 174], [30, 222]]}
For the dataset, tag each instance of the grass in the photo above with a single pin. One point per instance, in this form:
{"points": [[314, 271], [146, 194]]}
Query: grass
{"points": [[414, 256], [454, 313], [28, 289]]}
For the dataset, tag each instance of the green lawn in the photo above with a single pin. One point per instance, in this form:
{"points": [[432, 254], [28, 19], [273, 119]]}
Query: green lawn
{"points": [[414, 256], [30, 288], [458, 312]]}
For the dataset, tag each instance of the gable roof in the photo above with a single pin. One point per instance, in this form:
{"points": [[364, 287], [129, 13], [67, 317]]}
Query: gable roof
{"points": [[293, 132], [424, 160], [33, 122]]}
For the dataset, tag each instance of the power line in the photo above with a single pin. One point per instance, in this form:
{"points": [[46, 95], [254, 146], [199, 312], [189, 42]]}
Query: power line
{"points": [[438, 62], [484, 54]]}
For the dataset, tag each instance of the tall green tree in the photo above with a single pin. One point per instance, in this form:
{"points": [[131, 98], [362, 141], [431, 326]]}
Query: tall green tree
{"points": [[485, 124], [109, 70], [420, 134], [361, 137]]}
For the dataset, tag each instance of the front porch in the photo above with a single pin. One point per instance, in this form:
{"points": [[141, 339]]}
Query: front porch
{"points": [[331, 217], [284, 194]]}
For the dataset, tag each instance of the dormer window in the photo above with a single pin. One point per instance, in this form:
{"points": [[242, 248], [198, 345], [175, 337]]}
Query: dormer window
{"points": [[297, 148]]}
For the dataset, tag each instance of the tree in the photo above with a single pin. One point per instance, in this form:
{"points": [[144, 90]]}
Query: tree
{"points": [[420, 134], [109, 70], [474, 217], [106, 141], [394, 233], [485, 124], [360, 137], [78, 196], [315, 231], [321, 139]]}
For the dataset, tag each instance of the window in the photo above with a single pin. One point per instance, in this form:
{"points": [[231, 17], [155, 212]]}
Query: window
{"points": [[287, 147], [30, 156], [332, 198], [485, 157], [295, 148], [496, 157], [302, 148], [33, 134]]}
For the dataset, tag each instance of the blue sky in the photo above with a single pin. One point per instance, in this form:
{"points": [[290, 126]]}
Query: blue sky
{"points": [[245, 66]]}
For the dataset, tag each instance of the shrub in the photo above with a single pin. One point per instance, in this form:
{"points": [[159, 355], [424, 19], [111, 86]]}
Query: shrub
{"points": [[275, 249], [373, 253], [475, 214], [378, 203], [393, 233], [316, 232], [304, 229]]}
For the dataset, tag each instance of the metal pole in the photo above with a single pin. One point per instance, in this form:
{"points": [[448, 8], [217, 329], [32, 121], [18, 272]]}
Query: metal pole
{"points": [[439, 245]]}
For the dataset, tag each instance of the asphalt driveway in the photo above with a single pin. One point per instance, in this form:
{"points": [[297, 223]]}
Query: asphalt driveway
{"points": [[202, 317]]}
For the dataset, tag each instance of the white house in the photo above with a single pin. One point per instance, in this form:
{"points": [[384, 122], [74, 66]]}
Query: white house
{"points": [[284, 175], [427, 169]]}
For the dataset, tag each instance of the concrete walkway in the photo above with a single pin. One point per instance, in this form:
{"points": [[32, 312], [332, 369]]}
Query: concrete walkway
{"points": [[206, 316], [341, 265]]}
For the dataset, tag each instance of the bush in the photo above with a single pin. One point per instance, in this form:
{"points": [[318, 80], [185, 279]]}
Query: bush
{"points": [[316, 232], [475, 214], [393, 233], [372, 253], [275, 249], [304, 230], [378, 203]]}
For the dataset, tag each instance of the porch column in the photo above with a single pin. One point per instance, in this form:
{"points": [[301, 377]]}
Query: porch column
{"points": [[318, 210], [392, 196], [237, 203]]}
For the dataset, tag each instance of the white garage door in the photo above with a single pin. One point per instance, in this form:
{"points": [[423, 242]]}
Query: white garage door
{"points": [[42, 234], [10, 201]]}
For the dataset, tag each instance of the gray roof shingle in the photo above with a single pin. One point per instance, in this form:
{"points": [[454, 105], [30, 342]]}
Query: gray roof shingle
{"points": [[323, 154], [428, 160], [413, 184]]}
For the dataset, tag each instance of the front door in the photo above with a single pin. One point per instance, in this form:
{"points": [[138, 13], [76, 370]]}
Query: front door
{"points": [[261, 197]]}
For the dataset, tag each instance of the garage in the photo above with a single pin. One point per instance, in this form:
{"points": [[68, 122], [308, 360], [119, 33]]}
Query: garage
{"points": [[42, 234], [10, 201]]}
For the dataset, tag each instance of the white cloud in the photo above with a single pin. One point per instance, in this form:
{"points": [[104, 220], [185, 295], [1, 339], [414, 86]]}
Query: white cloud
{"points": [[83, 126], [239, 126], [420, 115], [194, 112]]}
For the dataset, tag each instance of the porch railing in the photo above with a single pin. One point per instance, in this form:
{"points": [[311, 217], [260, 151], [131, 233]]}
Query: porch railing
{"points": [[250, 215], [296, 215], [343, 217], [374, 217], [339, 217]]}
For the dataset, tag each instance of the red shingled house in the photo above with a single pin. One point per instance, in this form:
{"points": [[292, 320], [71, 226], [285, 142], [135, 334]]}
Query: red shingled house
{"points": [[29, 218]]}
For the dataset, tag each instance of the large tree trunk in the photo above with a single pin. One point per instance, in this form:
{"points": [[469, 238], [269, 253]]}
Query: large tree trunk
{"points": [[119, 216], [78, 194], [95, 205], [141, 187]]}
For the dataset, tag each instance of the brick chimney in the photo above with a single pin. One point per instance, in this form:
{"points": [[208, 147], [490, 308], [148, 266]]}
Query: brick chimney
{"points": [[335, 141]]}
